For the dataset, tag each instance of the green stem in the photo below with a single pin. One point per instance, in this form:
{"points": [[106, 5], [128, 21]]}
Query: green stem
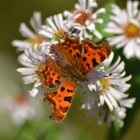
{"points": [[21, 130]]}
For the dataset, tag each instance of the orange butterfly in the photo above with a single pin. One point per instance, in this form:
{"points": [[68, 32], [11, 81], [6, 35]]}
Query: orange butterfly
{"points": [[75, 59]]}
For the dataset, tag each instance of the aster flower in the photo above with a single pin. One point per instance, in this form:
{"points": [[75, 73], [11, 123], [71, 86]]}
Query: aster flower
{"points": [[125, 25], [107, 89], [31, 37], [54, 28], [21, 108], [84, 17], [118, 114], [33, 60]]}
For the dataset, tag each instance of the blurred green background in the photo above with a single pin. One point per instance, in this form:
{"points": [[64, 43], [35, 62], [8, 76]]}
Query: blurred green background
{"points": [[76, 126]]}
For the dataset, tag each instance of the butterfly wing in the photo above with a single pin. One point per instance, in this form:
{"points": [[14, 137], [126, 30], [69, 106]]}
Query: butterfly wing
{"points": [[93, 55], [51, 76], [61, 100], [71, 54], [69, 50]]}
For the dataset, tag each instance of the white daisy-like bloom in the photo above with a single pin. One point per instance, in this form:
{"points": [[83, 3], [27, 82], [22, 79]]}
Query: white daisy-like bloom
{"points": [[84, 17], [109, 86], [33, 60], [125, 25], [21, 108], [31, 37], [118, 114], [54, 28]]}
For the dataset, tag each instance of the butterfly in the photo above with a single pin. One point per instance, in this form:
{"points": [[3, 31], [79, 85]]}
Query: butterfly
{"points": [[74, 60]]}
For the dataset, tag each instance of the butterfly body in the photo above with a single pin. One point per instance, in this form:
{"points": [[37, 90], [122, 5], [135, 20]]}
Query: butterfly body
{"points": [[75, 59]]}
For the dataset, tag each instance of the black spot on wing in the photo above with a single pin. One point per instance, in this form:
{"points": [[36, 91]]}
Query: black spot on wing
{"points": [[68, 90], [78, 55], [62, 89], [70, 51], [57, 82], [84, 59], [102, 56], [88, 65], [94, 62], [68, 99]]}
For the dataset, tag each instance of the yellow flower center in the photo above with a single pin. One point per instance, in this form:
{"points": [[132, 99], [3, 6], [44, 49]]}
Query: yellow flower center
{"points": [[59, 34], [105, 83], [131, 30], [38, 40], [40, 71], [82, 18], [41, 68]]}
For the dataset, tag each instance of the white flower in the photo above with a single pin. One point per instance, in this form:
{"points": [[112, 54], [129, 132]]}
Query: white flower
{"points": [[125, 25], [31, 37], [54, 28], [33, 60], [21, 108], [84, 17], [108, 85], [112, 83]]}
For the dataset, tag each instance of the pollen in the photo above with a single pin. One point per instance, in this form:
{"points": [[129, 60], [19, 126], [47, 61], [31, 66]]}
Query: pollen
{"points": [[82, 17], [131, 30], [105, 83]]}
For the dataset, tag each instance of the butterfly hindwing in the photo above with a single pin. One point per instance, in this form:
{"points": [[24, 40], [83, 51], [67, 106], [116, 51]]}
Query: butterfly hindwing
{"points": [[61, 99], [93, 55]]}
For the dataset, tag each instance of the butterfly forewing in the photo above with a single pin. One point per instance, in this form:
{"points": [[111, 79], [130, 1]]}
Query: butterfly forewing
{"points": [[93, 55], [69, 49]]}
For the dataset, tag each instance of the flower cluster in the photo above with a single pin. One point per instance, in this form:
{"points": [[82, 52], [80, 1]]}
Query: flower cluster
{"points": [[106, 85], [106, 93]]}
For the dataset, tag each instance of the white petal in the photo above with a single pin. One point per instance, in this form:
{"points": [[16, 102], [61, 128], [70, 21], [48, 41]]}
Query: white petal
{"points": [[29, 79], [129, 50], [128, 102], [26, 32], [26, 71], [130, 8], [46, 34], [117, 94], [33, 92], [21, 45], [137, 51], [108, 103], [113, 101], [51, 24], [114, 31], [116, 40], [108, 61], [101, 100], [36, 21]]}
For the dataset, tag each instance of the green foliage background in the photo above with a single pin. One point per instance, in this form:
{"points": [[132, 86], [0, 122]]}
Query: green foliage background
{"points": [[76, 126]]}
